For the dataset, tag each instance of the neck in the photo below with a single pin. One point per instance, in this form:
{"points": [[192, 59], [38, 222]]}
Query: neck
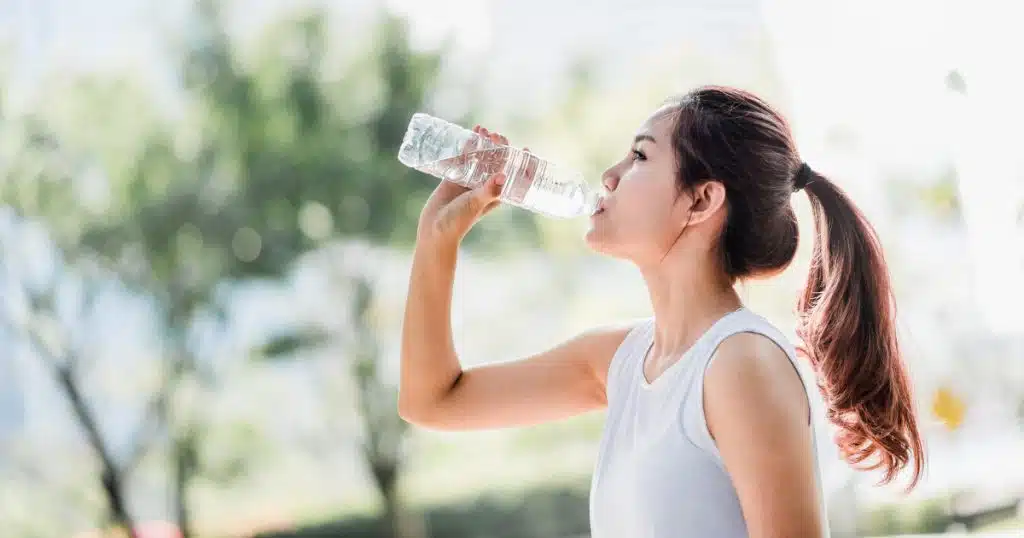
{"points": [[688, 295]]}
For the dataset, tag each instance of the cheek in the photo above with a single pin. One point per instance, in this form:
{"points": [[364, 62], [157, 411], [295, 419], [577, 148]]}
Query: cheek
{"points": [[647, 207]]}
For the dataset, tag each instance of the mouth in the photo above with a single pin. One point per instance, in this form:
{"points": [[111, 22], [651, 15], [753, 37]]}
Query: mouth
{"points": [[600, 208]]}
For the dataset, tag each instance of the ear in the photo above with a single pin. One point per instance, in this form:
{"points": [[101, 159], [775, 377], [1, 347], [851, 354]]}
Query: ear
{"points": [[707, 200]]}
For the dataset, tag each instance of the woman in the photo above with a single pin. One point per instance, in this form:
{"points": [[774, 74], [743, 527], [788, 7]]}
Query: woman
{"points": [[708, 430]]}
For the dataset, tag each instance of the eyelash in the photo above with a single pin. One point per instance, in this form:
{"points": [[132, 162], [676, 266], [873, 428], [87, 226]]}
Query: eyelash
{"points": [[638, 155]]}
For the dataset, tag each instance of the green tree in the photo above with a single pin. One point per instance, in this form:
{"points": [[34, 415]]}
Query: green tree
{"points": [[32, 181], [270, 160]]}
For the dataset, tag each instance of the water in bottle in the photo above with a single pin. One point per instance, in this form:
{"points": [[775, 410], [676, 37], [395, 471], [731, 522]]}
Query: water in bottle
{"points": [[453, 153]]}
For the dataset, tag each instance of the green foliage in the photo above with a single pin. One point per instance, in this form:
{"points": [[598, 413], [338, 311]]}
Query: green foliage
{"points": [[269, 159], [929, 516], [287, 345], [229, 452], [543, 512], [563, 512]]}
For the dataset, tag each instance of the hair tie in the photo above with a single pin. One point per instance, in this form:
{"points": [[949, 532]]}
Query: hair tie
{"points": [[803, 175]]}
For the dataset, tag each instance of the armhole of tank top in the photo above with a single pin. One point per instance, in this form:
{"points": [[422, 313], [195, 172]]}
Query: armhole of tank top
{"points": [[693, 421], [620, 360]]}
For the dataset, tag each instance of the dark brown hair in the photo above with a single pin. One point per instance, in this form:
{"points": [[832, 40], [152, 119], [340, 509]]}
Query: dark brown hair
{"points": [[846, 312]]}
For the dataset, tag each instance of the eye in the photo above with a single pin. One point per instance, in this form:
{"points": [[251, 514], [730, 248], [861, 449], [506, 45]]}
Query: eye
{"points": [[638, 155]]}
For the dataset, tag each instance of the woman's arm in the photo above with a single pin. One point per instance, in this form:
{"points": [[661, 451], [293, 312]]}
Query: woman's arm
{"points": [[757, 412], [435, 391]]}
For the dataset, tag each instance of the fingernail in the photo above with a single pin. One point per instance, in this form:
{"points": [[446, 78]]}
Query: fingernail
{"points": [[499, 179]]}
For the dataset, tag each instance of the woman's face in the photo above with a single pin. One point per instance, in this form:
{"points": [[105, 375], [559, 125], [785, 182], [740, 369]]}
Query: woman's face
{"points": [[643, 212]]}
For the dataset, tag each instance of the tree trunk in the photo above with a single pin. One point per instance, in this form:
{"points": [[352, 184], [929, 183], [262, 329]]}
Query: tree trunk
{"points": [[182, 470], [392, 515], [116, 504], [384, 428], [398, 523], [110, 475], [385, 474]]}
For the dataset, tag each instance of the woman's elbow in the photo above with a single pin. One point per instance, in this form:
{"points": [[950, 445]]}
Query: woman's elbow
{"points": [[421, 414]]}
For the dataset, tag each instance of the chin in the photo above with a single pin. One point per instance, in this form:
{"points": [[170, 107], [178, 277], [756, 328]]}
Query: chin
{"points": [[599, 242]]}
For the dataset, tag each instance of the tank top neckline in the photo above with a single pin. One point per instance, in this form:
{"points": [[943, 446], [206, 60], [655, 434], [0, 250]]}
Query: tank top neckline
{"points": [[683, 357]]}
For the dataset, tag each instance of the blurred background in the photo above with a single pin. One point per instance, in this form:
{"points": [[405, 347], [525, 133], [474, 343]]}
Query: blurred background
{"points": [[205, 239]]}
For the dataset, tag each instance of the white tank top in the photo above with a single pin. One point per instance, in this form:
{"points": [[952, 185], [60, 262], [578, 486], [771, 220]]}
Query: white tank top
{"points": [[658, 472]]}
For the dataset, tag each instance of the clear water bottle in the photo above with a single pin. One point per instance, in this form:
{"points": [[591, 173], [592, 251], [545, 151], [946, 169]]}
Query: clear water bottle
{"points": [[453, 153]]}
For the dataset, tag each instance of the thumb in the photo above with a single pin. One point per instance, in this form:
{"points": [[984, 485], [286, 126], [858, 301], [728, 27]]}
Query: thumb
{"points": [[488, 193]]}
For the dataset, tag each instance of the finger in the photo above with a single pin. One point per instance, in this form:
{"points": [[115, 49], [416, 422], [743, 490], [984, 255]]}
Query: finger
{"points": [[532, 163], [487, 193], [473, 201], [495, 158], [459, 215], [490, 207], [492, 187]]}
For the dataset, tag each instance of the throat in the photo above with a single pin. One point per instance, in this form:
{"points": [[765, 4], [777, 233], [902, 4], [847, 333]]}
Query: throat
{"points": [[657, 361], [655, 366]]}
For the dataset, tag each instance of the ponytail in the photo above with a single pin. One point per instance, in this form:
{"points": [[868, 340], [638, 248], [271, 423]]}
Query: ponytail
{"points": [[846, 314], [848, 328]]}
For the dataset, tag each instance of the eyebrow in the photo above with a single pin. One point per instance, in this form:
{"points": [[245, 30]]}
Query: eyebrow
{"points": [[642, 137]]}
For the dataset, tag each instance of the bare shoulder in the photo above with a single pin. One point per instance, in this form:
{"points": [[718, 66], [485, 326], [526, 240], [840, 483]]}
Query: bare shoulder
{"points": [[599, 344], [750, 371], [610, 334], [752, 354]]}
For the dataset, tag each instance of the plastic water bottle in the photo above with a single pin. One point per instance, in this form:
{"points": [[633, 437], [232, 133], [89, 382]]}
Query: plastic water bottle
{"points": [[453, 153]]}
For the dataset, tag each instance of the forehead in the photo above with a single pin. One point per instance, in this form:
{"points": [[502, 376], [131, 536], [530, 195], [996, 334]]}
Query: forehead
{"points": [[660, 122]]}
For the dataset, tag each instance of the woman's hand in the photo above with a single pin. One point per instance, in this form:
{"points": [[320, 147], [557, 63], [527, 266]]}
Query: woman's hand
{"points": [[452, 210]]}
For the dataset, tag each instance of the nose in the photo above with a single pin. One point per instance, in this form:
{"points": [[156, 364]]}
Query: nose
{"points": [[610, 179]]}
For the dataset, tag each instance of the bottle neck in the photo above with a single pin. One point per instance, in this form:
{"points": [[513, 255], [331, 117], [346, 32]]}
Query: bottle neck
{"points": [[593, 201]]}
